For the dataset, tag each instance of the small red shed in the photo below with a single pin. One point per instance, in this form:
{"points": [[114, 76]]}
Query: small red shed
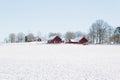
{"points": [[55, 39], [39, 39]]}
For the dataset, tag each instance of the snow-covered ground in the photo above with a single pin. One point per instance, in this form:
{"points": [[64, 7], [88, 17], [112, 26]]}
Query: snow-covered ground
{"points": [[37, 61]]}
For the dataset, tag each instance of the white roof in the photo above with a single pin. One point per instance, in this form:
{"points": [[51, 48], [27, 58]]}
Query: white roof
{"points": [[51, 38], [76, 39]]}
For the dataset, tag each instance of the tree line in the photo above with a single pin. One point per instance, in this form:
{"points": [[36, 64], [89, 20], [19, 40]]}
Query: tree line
{"points": [[100, 32]]}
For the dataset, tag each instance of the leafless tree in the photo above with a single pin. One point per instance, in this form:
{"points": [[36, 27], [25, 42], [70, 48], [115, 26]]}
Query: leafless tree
{"points": [[12, 37], [78, 34], [20, 37], [92, 33], [110, 34], [29, 38], [69, 36], [98, 32], [54, 34]]}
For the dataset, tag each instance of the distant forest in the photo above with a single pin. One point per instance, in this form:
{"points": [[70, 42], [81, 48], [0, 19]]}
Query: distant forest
{"points": [[100, 32]]}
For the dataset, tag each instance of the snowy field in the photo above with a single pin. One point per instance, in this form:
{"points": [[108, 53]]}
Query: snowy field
{"points": [[36, 61]]}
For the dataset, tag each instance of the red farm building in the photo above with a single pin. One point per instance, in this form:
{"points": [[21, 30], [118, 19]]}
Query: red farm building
{"points": [[39, 39], [83, 41], [80, 40], [55, 39]]}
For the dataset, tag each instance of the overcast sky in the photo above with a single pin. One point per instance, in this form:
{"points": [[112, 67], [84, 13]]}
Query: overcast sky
{"points": [[55, 15]]}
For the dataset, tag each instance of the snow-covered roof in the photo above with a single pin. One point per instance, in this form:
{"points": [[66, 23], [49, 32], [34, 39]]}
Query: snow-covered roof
{"points": [[76, 39], [63, 39], [52, 37]]}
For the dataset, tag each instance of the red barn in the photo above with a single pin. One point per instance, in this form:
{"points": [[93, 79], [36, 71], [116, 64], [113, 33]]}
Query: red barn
{"points": [[79, 40], [55, 39], [83, 41]]}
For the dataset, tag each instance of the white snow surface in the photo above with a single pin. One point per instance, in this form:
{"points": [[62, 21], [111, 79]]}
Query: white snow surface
{"points": [[37, 61]]}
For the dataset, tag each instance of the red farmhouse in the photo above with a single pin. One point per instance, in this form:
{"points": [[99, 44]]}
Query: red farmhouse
{"points": [[82, 40], [55, 39]]}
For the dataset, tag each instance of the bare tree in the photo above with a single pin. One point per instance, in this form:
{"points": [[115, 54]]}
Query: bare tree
{"points": [[12, 37], [29, 38], [98, 32], [69, 36], [54, 34], [78, 34], [20, 37], [92, 33], [110, 34]]}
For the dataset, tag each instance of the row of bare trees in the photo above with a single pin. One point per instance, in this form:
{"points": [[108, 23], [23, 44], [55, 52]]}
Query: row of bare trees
{"points": [[100, 32], [21, 37]]}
